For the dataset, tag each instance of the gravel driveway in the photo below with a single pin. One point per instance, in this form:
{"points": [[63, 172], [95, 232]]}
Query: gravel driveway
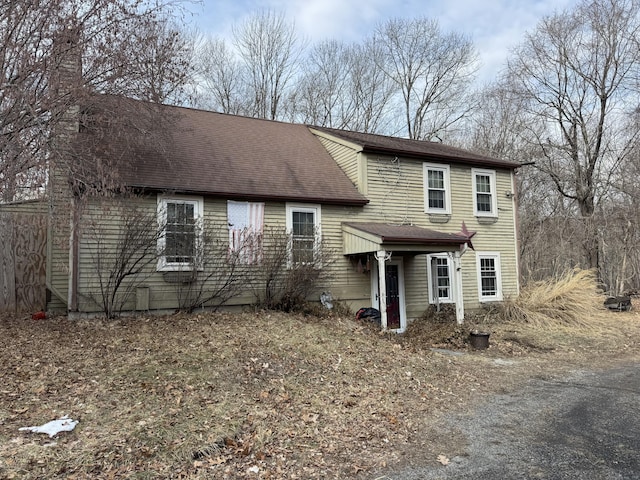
{"points": [[584, 426]]}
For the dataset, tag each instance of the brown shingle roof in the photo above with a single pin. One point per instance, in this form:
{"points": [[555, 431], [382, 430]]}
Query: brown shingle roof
{"points": [[240, 157], [408, 234], [420, 149]]}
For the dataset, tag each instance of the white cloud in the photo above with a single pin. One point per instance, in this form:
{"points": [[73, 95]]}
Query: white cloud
{"points": [[495, 26], [337, 19]]}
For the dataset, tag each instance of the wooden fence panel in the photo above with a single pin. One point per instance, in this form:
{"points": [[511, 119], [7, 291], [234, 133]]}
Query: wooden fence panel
{"points": [[23, 239], [7, 275]]}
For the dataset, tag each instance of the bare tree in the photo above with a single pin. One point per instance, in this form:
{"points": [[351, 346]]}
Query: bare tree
{"points": [[111, 36], [163, 65], [267, 45], [370, 88], [343, 87], [574, 74], [322, 97], [432, 71], [220, 73]]}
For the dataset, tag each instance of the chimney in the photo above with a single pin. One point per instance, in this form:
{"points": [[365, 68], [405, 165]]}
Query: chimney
{"points": [[67, 64], [65, 87]]}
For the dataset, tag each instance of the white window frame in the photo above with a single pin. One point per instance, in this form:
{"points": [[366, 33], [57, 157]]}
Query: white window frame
{"points": [[498, 270], [433, 288], [163, 200], [445, 169], [304, 208], [475, 172]]}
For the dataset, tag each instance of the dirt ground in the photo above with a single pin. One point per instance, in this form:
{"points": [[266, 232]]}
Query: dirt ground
{"points": [[262, 394]]}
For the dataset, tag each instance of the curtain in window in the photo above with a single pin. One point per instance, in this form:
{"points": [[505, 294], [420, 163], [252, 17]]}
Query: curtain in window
{"points": [[246, 224]]}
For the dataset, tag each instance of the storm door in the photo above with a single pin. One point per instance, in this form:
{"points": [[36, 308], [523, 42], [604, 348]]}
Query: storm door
{"points": [[393, 297], [396, 318]]}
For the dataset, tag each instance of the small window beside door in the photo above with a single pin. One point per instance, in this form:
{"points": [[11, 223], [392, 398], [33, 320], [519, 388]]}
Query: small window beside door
{"points": [[439, 276]]}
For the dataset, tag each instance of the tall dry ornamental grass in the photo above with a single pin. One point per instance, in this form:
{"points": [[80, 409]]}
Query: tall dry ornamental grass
{"points": [[570, 299]]}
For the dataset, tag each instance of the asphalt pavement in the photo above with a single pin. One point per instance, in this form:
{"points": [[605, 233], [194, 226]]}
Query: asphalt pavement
{"points": [[585, 426]]}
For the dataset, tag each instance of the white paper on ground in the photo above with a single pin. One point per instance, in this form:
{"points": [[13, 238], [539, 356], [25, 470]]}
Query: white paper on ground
{"points": [[64, 424]]}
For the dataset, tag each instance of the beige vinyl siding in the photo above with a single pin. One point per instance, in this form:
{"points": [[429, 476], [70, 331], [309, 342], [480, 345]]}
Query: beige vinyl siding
{"points": [[162, 288], [347, 284], [348, 160], [99, 233], [58, 258], [396, 195], [416, 286]]}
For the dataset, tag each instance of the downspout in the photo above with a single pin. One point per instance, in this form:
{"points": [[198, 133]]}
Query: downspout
{"points": [[516, 227]]}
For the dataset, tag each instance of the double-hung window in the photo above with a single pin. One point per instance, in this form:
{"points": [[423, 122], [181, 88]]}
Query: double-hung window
{"points": [[303, 226], [179, 218], [489, 276], [437, 190], [484, 193], [439, 279]]}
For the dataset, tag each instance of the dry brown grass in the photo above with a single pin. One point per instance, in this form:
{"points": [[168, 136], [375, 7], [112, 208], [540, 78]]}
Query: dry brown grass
{"points": [[263, 395], [571, 299]]}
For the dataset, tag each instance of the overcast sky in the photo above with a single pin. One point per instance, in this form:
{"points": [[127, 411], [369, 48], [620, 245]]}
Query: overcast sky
{"points": [[495, 26]]}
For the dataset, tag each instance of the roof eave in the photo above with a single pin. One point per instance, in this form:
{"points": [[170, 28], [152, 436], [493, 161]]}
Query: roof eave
{"points": [[357, 202], [452, 158], [409, 240]]}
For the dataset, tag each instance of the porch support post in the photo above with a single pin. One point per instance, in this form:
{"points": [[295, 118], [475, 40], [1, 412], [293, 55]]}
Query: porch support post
{"points": [[381, 256], [458, 297]]}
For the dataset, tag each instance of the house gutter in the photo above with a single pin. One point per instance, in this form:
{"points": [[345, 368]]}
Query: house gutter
{"points": [[350, 202]]}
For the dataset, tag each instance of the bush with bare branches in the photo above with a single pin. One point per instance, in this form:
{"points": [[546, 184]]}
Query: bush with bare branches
{"points": [[281, 283], [216, 275], [121, 239]]}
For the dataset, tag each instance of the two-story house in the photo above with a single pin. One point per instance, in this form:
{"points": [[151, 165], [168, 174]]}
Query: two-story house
{"points": [[411, 223]]}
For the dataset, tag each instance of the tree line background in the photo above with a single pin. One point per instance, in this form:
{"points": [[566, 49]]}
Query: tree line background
{"points": [[565, 104]]}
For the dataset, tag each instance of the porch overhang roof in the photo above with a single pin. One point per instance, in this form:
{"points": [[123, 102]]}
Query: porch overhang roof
{"points": [[367, 237]]}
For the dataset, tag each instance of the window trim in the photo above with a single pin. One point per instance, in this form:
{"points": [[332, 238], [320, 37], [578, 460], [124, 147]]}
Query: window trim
{"points": [[446, 169], [432, 287], [304, 208], [475, 172], [498, 297], [162, 201]]}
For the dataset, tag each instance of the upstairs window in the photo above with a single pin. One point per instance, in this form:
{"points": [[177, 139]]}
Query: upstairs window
{"points": [[246, 221], [303, 225], [179, 218], [437, 196], [484, 193]]}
